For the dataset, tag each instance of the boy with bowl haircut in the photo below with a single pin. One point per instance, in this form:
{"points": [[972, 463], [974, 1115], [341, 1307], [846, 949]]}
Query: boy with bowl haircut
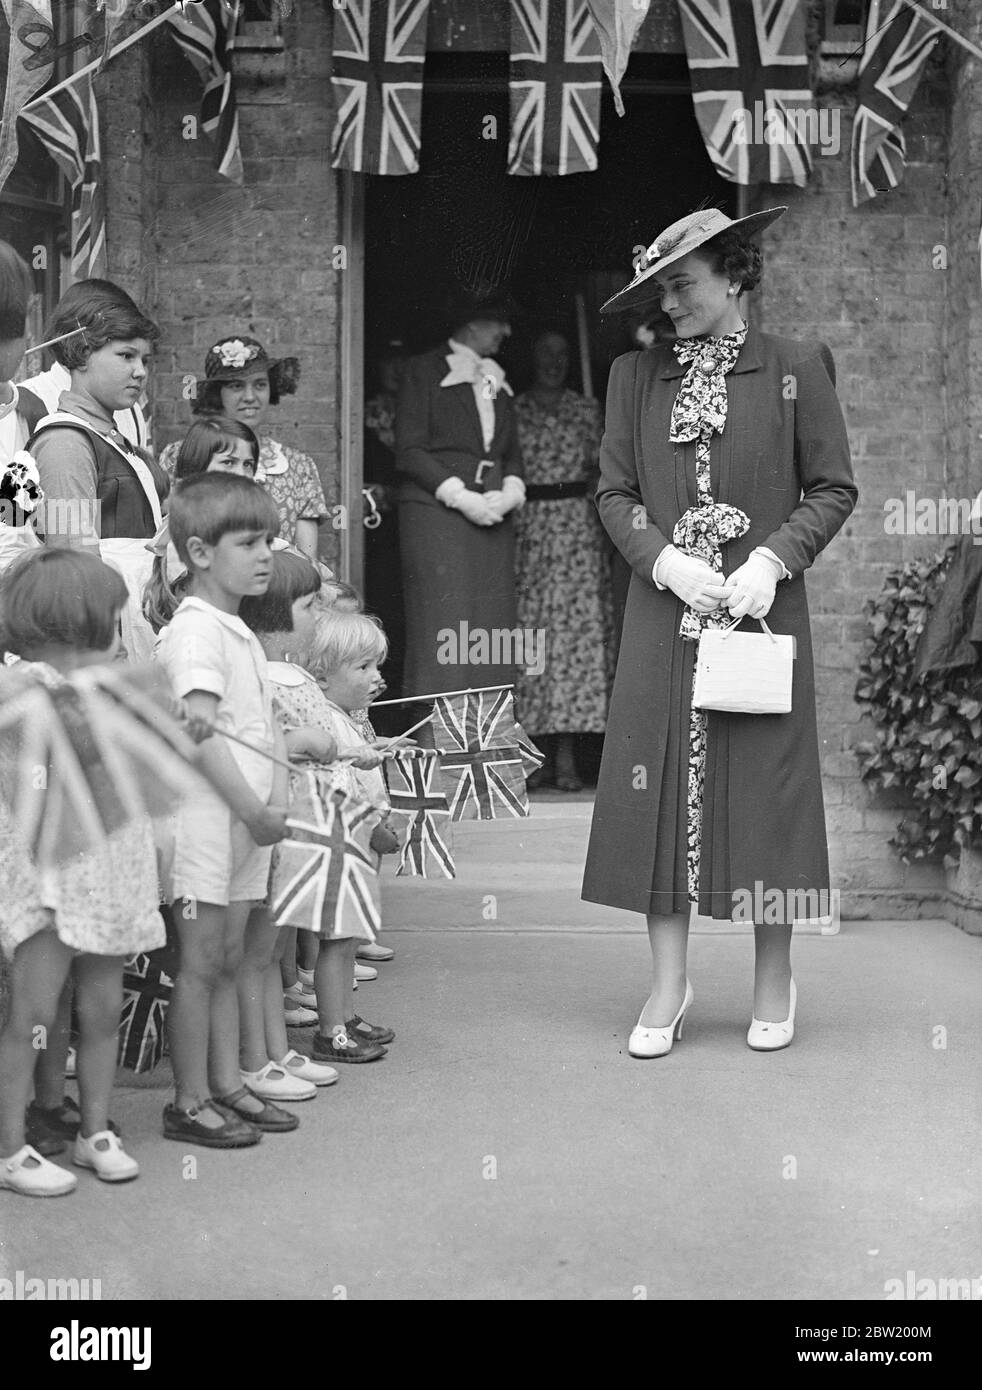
{"points": [[223, 527]]}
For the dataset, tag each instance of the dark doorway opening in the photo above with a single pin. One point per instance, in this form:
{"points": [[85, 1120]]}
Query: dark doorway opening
{"points": [[464, 221]]}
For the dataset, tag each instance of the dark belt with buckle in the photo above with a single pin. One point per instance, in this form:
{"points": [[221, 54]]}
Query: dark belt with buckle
{"points": [[554, 492]]}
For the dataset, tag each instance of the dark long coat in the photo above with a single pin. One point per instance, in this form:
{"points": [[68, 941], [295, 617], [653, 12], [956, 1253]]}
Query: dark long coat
{"points": [[783, 458], [453, 572]]}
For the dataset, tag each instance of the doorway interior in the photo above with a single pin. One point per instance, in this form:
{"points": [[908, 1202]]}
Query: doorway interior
{"points": [[462, 220]]}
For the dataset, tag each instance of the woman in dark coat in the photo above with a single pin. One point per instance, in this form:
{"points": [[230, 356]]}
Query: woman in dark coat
{"points": [[725, 470], [457, 450]]}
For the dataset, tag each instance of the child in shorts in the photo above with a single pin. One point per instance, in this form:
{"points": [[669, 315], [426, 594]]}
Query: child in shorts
{"points": [[223, 527]]}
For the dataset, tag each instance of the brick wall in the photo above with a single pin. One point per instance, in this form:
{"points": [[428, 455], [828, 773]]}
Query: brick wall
{"points": [[861, 279], [208, 257]]}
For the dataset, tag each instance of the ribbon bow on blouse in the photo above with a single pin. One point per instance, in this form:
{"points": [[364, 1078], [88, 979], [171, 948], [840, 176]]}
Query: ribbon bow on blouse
{"points": [[699, 411], [468, 367]]}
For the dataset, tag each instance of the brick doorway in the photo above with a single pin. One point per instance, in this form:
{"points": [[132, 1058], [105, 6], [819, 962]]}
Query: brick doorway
{"points": [[464, 220]]}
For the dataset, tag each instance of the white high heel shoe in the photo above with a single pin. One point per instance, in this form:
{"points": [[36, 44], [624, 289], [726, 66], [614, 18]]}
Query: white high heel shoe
{"points": [[770, 1037], [657, 1042]]}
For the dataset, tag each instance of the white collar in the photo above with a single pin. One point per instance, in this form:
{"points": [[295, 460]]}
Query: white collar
{"points": [[289, 674], [230, 620]]}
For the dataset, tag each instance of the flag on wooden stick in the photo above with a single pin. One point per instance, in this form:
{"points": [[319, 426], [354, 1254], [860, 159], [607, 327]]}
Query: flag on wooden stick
{"points": [[554, 86], [418, 800], [147, 991], [205, 30], [68, 125], [325, 871], [481, 755], [898, 44]]}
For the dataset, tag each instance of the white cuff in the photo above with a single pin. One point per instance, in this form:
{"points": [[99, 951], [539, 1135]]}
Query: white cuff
{"points": [[450, 489], [785, 573], [657, 566]]}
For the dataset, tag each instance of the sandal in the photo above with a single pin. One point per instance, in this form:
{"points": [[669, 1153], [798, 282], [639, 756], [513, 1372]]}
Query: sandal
{"points": [[270, 1118], [61, 1122], [28, 1173], [185, 1125], [369, 1032], [340, 1048]]}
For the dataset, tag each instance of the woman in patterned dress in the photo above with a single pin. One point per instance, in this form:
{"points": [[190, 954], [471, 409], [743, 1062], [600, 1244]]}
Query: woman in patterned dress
{"points": [[725, 471], [564, 594], [241, 381]]}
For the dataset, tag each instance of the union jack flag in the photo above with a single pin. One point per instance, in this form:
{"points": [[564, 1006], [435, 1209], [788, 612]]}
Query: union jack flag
{"points": [[554, 87], [379, 52], [413, 782], [147, 990], [325, 872], [29, 67], [898, 43], [480, 756], [68, 126], [205, 30], [749, 71]]}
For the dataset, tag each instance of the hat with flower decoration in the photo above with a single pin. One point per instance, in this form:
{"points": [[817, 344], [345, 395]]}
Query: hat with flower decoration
{"points": [[677, 241], [235, 357]]}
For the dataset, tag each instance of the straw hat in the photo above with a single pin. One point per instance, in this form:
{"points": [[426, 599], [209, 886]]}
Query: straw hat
{"points": [[677, 241]]}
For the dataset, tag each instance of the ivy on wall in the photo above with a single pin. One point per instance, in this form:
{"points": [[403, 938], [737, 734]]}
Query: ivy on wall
{"points": [[928, 739]]}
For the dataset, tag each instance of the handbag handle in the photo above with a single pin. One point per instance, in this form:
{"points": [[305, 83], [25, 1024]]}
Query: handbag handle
{"points": [[737, 621]]}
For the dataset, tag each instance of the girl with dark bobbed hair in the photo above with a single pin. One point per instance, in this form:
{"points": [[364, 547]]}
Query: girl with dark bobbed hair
{"points": [[100, 488], [241, 381]]}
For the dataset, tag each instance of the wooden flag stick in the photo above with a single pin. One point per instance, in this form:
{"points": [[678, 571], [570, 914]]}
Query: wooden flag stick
{"points": [[98, 62], [438, 695], [253, 749], [940, 24], [38, 346]]}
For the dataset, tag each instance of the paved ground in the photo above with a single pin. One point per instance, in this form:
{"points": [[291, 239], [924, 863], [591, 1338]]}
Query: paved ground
{"points": [[508, 1148]]}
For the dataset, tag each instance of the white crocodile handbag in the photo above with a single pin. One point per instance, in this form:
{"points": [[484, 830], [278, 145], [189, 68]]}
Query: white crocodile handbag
{"points": [[744, 672]]}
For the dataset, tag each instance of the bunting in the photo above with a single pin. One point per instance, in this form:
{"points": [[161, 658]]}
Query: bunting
{"points": [[898, 44], [417, 798], [617, 23], [481, 760], [379, 53], [205, 30], [748, 66], [554, 87], [30, 59], [68, 125]]}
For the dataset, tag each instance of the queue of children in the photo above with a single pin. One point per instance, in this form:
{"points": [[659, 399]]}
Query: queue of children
{"points": [[271, 666]]}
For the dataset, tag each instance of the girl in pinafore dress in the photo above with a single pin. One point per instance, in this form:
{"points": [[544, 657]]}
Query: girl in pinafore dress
{"points": [[60, 612]]}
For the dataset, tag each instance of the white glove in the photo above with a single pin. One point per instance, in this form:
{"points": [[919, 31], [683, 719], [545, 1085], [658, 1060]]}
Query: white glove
{"points": [[693, 580], [475, 507], [753, 587]]}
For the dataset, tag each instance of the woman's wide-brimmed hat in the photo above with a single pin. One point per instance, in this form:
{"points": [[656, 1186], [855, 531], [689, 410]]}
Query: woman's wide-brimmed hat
{"points": [[466, 306], [236, 356], [677, 241]]}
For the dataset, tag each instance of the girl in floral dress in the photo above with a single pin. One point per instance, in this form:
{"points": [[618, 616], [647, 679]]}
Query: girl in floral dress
{"points": [[61, 612], [242, 382]]}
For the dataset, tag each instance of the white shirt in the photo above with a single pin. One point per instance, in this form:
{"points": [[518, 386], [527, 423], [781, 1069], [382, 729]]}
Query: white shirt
{"points": [[203, 648], [485, 399]]}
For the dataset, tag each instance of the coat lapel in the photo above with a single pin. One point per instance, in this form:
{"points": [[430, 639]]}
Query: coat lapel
{"points": [[460, 399]]}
